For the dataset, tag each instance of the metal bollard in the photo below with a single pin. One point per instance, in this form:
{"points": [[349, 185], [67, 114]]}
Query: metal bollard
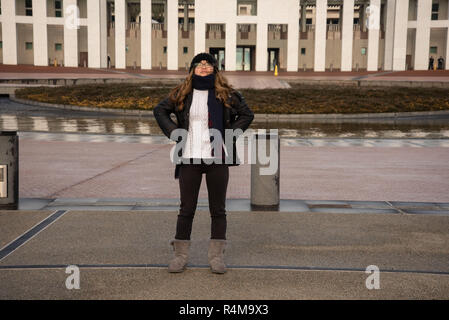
{"points": [[9, 170], [265, 189]]}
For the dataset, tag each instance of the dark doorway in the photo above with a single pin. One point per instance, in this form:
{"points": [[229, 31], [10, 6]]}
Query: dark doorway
{"points": [[83, 59], [219, 54], [245, 57], [273, 58]]}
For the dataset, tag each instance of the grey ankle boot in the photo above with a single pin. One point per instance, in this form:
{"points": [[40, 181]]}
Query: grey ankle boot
{"points": [[216, 255], [181, 249]]}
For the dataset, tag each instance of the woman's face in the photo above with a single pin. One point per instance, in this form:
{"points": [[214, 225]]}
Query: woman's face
{"points": [[203, 70]]}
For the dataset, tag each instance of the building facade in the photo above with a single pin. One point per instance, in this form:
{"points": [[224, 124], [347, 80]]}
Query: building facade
{"points": [[244, 35]]}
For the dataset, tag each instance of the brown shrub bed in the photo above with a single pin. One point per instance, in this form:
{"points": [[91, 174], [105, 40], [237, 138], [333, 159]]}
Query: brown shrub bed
{"points": [[304, 99]]}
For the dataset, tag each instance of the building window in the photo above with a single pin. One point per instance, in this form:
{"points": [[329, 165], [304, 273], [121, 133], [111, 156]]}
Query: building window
{"points": [[165, 49], [363, 51], [303, 51], [435, 7], [186, 49], [309, 21], [58, 46], [192, 20], [28, 8], [332, 21], [58, 8], [1, 44], [433, 50], [28, 45], [247, 7]]}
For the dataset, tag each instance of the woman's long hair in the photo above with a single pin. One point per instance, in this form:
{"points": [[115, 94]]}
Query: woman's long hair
{"points": [[222, 90]]}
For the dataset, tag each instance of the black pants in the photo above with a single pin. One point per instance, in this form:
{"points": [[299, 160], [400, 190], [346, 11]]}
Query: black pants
{"points": [[190, 176]]}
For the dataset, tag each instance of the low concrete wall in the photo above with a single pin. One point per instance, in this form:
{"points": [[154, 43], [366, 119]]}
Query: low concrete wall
{"points": [[373, 83], [258, 117], [177, 79], [69, 82]]}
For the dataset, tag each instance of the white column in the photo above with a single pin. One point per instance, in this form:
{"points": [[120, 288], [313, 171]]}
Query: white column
{"points": [[400, 35], [347, 35], [40, 43], [320, 35], [103, 34], [172, 34], [93, 34], [145, 34], [293, 36], [389, 33], [373, 35], [200, 27], [71, 27], [200, 35], [423, 34], [9, 32], [120, 34], [261, 47], [230, 46]]}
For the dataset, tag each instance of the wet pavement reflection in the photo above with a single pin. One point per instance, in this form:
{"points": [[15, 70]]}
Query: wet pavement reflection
{"points": [[25, 118]]}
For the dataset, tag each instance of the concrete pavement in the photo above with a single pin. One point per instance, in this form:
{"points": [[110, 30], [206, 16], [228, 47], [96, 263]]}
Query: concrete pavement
{"points": [[346, 205], [271, 255], [320, 169]]}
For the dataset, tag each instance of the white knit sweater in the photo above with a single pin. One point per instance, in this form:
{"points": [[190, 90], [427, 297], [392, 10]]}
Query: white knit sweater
{"points": [[198, 140]]}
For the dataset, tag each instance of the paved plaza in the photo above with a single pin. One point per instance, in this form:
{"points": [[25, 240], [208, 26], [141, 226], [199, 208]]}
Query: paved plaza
{"points": [[107, 203]]}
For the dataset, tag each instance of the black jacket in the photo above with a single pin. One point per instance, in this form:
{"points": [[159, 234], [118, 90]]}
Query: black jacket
{"points": [[239, 116]]}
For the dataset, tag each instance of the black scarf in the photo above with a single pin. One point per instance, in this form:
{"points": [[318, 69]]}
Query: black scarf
{"points": [[214, 106]]}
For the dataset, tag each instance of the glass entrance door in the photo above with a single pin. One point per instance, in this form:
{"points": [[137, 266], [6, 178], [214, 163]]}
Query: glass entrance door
{"points": [[243, 59], [219, 54], [273, 58]]}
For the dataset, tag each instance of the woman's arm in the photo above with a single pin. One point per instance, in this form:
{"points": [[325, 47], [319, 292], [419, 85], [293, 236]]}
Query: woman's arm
{"points": [[244, 114], [162, 114]]}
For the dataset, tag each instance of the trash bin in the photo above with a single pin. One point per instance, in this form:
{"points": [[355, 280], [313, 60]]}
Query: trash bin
{"points": [[9, 170], [265, 171]]}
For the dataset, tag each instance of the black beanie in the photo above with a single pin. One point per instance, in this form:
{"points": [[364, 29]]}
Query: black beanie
{"points": [[204, 56]]}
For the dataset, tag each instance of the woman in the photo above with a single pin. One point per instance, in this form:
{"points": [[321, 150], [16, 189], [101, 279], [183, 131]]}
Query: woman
{"points": [[202, 102]]}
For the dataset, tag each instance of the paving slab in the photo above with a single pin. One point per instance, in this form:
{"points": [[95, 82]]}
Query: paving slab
{"points": [[200, 283], [15, 223], [288, 239], [351, 173], [349, 210], [270, 255]]}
